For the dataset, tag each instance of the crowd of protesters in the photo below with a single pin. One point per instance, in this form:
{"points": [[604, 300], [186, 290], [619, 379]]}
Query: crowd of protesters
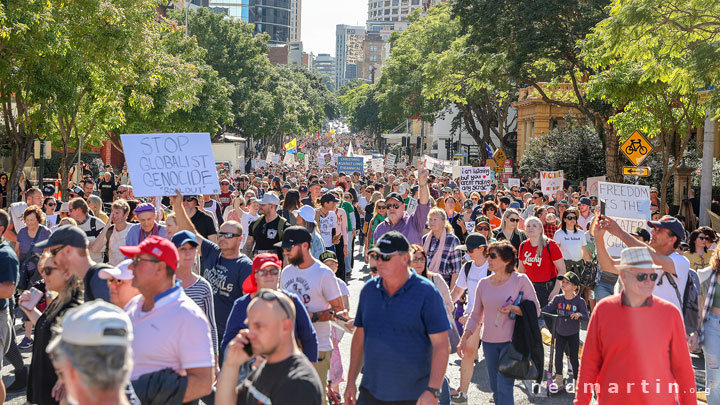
{"points": [[241, 297]]}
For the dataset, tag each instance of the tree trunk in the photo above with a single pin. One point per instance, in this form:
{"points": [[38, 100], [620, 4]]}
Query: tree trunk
{"points": [[612, 156]]}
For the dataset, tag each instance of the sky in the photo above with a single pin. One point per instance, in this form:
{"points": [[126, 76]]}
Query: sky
{"points": [[319, 18]]}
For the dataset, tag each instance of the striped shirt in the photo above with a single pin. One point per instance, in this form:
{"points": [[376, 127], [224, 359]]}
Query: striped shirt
{"points": [[201, 293], [451, 258]]}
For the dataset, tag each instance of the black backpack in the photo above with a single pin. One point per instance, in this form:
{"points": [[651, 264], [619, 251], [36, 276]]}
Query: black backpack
{"points": [[690, 299]]}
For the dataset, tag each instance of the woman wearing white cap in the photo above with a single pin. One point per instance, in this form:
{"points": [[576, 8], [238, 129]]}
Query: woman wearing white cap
{"points": [[306, 218]]}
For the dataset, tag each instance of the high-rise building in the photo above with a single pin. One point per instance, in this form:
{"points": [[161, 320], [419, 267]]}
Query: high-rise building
{"points": [[324, 66], [392, 10], [295, 14], [268, 16], [348, 53], [375, 50]]}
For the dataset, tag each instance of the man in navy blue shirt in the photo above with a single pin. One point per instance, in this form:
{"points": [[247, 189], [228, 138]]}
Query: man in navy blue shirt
{"points": [[9, 267], [401, 332]]}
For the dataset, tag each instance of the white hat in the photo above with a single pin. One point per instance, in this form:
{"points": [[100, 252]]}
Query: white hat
{"points": [[270, 198], [65, 207], [636, 257], [307, 213], [94, 323], [121, 272]]}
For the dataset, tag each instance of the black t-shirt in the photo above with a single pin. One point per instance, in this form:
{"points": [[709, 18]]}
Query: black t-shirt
{"points": [[266, 234], [106, 190], [203, 223], [291, 381]]}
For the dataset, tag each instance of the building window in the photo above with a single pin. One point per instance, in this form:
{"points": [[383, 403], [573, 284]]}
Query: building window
{"points": [[373, 48], [415, 2], [394, 11], [387, 11], [373, 58]]}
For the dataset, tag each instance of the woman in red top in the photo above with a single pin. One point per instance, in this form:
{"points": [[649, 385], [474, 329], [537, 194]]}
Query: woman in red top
{"points": [[541, 259]]}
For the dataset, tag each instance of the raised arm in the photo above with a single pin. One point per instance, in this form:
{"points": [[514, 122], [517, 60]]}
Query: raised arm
{"points": [[183, 220]]}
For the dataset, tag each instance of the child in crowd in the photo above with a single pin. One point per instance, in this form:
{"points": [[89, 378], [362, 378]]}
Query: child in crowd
{"points": [[570, 309]]}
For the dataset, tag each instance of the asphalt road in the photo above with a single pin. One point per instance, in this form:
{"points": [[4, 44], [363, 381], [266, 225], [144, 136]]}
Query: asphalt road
{"points": [[479, 392]]}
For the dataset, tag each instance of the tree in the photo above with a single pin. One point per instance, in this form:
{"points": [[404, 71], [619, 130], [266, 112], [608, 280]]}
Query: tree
{"points": [[363, 110], [572, 149]]}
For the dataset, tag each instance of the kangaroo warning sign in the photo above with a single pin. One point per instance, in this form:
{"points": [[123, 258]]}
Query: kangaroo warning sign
{"points": [[636, 148]]}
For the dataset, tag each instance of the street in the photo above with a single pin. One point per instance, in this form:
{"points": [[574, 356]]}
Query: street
{"points": [[479, 392]]}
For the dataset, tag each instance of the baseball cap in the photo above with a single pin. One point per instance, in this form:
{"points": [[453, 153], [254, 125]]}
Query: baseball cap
{"points": [[66, 235], [48, 190], [307, 213], [571, 277], [144, 207], [489, 197], [641, 232], [294, 235], [671, 223], [468, 204], [120, 272], [447, 190], [314, 183], [190, 197], [65, 207], [563, 202], [303, 189], [328, 197], [77, 190], [328, 255], [287, 186], [452, 185], [394, 196], [226, 181], [182, 237], [156, 246], [585, 201], [480, 219], [95, 323], [391, 242], [514, 205], [473, 241], [270, 198], [260, 261], [505, 200]]}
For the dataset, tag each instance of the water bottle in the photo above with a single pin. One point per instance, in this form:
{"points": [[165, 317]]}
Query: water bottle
{"points": [[516, 303]]}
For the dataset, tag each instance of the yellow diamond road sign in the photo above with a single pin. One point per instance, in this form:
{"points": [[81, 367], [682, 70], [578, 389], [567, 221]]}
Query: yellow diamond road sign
{"points": [[636, 148], [499, 157]]}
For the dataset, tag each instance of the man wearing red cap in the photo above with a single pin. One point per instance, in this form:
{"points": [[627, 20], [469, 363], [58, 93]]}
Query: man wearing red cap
{"points": [[171, 331], [266, 270]]}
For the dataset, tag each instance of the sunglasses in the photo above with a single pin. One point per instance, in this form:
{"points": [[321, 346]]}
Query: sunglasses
{"points": [[493, 255], [271, 272], [115, 281], [382, 207], [514, 219], [378, 256], [47, 270], [137, 259], [121, 191], [702, 238], [270, 296], [644, 276], [483, 228], [228, 235], [571, 218], [396, 206]]}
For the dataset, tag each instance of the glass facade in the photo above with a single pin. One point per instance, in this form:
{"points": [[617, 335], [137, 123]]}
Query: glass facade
{"points": [[268, 16]]}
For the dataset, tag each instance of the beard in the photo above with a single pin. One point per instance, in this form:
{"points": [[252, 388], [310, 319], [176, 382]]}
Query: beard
{"points": [[295, 260]]}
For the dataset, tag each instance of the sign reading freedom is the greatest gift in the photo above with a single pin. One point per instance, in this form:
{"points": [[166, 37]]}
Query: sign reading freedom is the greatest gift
{"points": [[159, 164]]}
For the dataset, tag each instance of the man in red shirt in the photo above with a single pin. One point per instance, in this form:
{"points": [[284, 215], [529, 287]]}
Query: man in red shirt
{"points": [[635, 351], [225, 195]]}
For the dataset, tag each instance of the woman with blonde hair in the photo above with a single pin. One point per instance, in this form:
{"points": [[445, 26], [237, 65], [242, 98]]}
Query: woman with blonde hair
{"points": [[508, 229], [440, 245], [379, 215]]}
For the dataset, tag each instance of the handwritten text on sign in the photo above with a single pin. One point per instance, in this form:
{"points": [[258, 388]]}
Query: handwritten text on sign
{"points": [[551, 182], [159, 164], [475, 179], [628, 205], [349, 165]]}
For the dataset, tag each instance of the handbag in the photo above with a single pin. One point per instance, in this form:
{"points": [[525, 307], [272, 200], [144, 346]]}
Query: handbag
{"points": [[588, 275], [514, 364], [453, 336]]}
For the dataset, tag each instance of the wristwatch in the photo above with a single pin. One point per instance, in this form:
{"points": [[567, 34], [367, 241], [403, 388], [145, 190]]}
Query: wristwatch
{"points": [[434, 391]]}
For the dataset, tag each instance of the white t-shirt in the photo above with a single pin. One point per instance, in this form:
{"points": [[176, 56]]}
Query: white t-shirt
{"points": [[470, 283], [174, 334], [584, 222], [316, 286], [327, 224], [571, 244], [16, 215], [87, 227], [663, 289], [117, 239], [246, 220]]}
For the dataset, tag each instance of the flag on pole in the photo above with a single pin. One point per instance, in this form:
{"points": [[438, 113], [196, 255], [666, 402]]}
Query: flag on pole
{"points": [[489, 150], [291, 145], [350, 150]]}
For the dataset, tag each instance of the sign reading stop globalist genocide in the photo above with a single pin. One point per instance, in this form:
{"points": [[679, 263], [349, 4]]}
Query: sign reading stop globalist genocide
{"points": [[159, 164]]}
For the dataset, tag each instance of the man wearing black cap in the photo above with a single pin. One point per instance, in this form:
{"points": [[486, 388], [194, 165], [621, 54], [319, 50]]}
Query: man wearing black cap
{"points": [[666, 235], [202, 221], [412, 226], [399, 299], [314, 188], [586, 216], [316, 285]]}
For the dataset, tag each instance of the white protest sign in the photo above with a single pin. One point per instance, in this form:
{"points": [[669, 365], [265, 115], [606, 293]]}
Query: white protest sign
{"points": [[321, 161], [513, 182], [270, 157], [261, 164], [592, 185], [276, 158], [402, 164], [411, 206], [378, 165], [469, 226], [551, 182], [628, 205], [159, 164], [333, 160], [390, 161], [475, 179], [307, 161], [289, 159], [437, 170]]}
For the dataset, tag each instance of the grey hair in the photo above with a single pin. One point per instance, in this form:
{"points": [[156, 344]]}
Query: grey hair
{"points": [[104, 368]]}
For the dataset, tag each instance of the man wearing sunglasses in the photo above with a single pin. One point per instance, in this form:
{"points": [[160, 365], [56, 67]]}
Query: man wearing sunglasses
{"points": [[621, 359], [412, 226], [170, 330], [201, 220], [316, 285], [222, 264], [399, 299]]}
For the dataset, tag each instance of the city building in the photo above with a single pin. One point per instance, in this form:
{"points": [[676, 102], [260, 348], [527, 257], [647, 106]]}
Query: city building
{"points": [[269, 16], [295, 20], [393, 10], [375, 50], [324, 65], [348, 53]]}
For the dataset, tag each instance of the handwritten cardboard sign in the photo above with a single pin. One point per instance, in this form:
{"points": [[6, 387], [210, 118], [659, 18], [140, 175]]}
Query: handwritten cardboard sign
{"points": [[551, 182], [390, 161], [378, 165], [592, 185], [628, 205], [513, 182], [475, 179], [159, 164]]}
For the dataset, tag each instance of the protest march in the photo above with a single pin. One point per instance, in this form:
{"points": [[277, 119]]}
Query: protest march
{"points": [[175, 279]]}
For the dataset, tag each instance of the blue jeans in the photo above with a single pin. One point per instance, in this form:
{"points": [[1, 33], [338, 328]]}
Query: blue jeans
{"points": [[711, 346], [348, 258], [603, 290], [502, 387]]}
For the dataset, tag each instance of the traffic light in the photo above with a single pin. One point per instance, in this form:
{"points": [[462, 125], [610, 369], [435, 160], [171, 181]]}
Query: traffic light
{"points": [[448, 144]]}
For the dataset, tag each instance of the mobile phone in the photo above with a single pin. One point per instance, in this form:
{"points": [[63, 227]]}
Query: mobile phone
{"points": [[248, 349], [602, 207]]}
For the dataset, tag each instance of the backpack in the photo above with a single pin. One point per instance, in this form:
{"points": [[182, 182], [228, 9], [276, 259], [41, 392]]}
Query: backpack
{"points": [[281, 225], [88, 278], [690, 299], [108, 234]]}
